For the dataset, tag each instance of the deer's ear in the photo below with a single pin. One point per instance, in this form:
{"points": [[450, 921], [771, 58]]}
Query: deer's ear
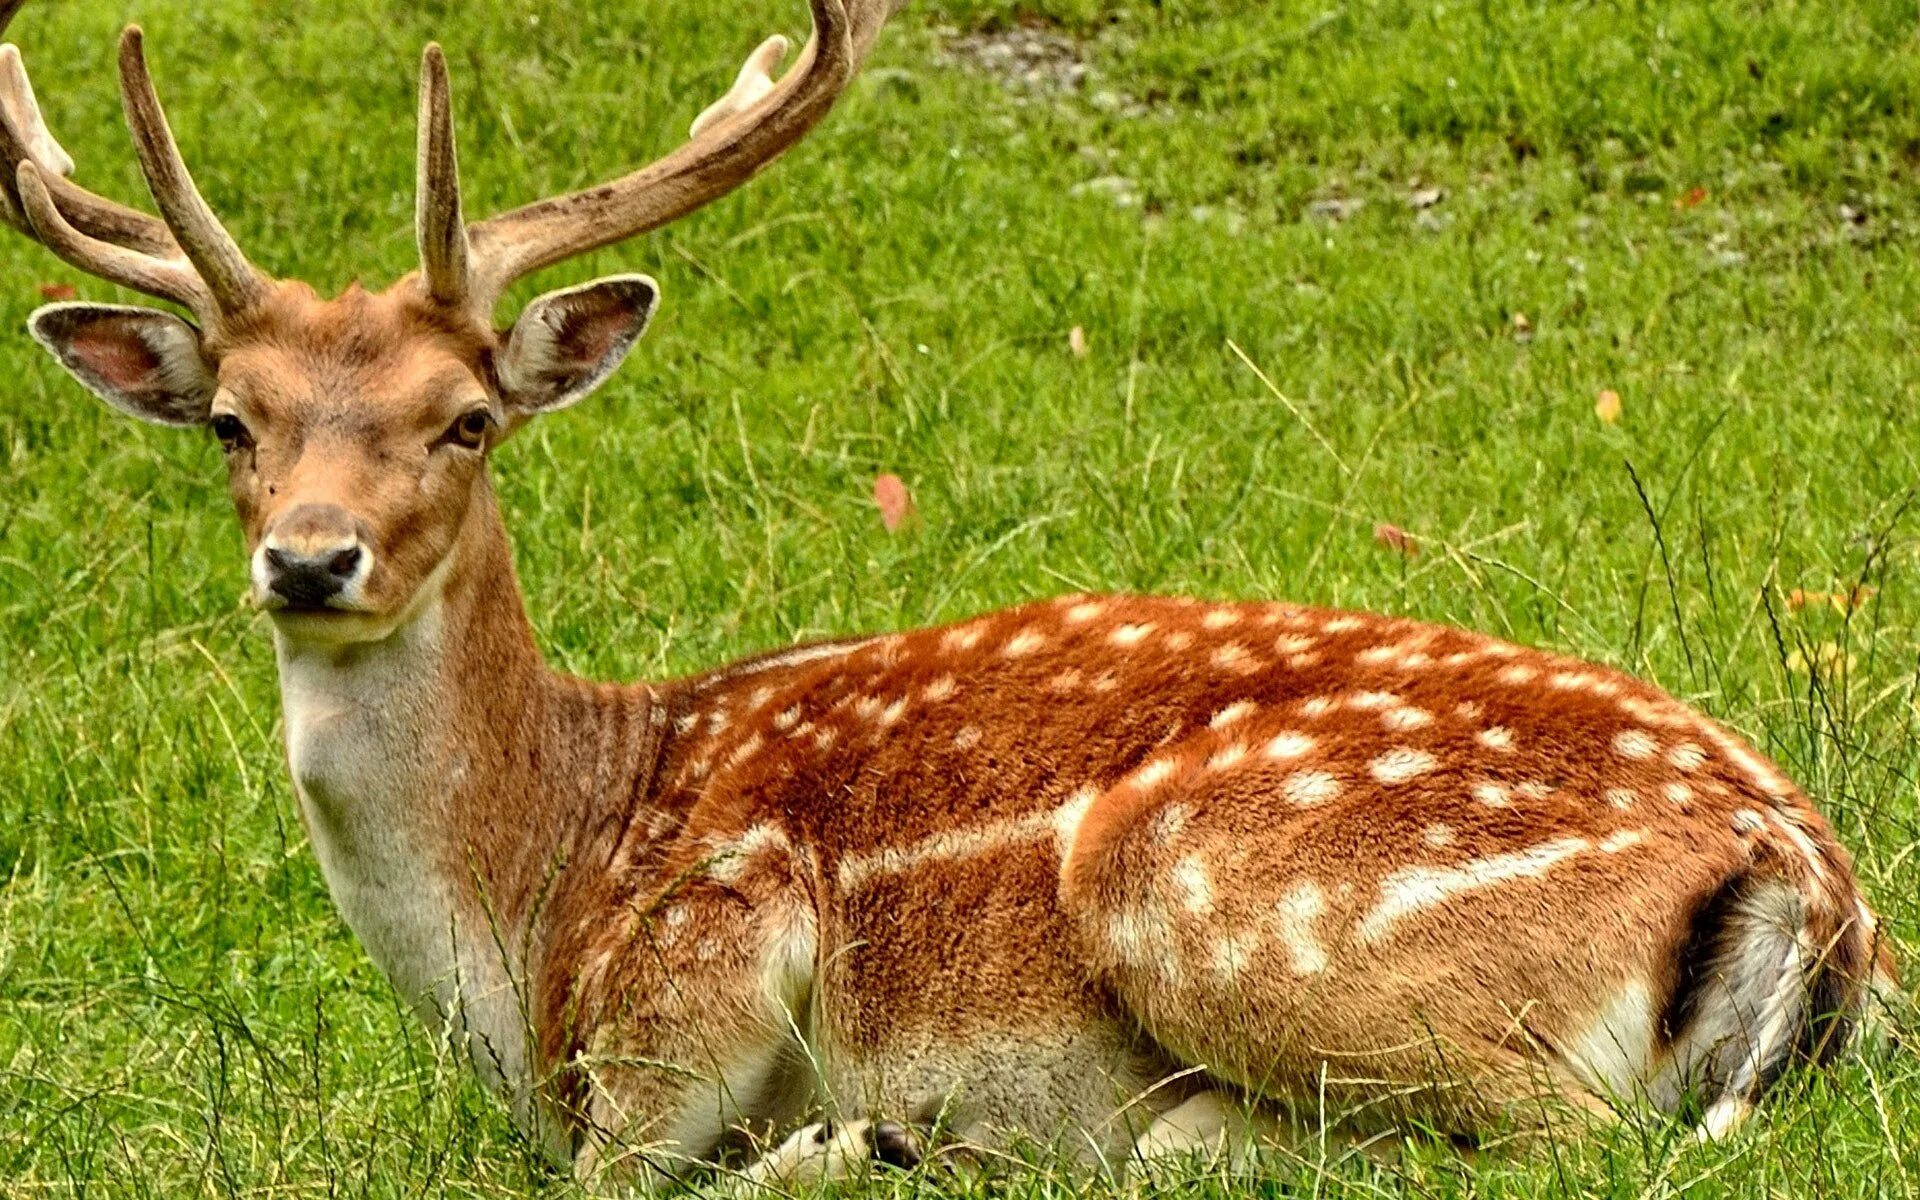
{"points": [[566, 343], [144, 362]]}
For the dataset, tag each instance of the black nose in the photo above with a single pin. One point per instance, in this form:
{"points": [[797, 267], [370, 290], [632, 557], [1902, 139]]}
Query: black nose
{"points": [[310, 579]]}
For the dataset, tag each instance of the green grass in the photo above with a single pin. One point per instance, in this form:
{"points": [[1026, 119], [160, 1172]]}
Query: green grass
{"points": [[181, 1013]]}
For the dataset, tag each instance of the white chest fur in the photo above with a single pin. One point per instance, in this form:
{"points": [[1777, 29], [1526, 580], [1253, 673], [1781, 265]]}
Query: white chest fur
{"points": [[375, 769]]}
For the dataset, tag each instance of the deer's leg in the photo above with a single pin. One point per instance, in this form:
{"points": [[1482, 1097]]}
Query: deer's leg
{"points": [[1210, 1124], [693, 1007]]}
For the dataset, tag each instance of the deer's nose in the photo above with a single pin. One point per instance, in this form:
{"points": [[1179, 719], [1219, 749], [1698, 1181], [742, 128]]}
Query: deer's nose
{"points": [[312, 555]]}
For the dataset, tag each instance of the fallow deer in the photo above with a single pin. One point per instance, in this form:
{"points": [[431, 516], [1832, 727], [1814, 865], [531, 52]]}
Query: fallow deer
{"points": [[1129, 871]]}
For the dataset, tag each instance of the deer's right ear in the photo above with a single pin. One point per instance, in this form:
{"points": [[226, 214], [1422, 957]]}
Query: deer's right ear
{"points": [[144, 362]]}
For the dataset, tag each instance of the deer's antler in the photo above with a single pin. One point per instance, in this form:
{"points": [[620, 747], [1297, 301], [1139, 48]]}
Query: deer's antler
{"points": [[731, 140], [185, 255]]}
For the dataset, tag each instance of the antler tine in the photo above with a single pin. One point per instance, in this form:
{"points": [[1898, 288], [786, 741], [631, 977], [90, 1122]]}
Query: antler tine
{"points": [[749, 87], [728, 148], [234, 283], [438, 225], [169, 279], [16, 95], [24, 137]]}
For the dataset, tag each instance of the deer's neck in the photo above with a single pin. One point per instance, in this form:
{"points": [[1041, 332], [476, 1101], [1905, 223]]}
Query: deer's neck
{"points": [[445, 775]]}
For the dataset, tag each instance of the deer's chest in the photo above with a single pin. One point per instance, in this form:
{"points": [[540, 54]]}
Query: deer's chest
{"points": [[374, 793]]}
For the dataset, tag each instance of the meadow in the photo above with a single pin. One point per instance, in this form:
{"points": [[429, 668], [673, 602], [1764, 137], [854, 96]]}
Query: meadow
{"points": [[1587, 325]]}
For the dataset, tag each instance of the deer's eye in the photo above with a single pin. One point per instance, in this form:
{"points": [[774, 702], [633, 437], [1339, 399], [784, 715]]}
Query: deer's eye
{"points": [[231, 431], [470, 428]]}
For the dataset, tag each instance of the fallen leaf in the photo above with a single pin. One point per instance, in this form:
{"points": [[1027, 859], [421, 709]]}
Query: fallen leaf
{"points": [[1522, 327], [1841, 602], [891, 498], [1395, 538], [1693, 197], [1855, 597], [57, 291], [1606, 406], [1077, 341], [1424, 198], [1827, 658]]}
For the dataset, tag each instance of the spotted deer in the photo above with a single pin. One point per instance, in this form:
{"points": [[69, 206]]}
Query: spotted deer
{"points": [[1137, 874]]}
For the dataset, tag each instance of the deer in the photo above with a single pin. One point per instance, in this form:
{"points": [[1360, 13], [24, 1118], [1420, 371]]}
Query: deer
{"points": [[1142, 875]]}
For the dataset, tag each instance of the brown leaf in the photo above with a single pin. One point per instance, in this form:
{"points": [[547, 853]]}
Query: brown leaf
{"points": [[1522, 327], [1606, 406], [890, 496], [1077, 341], [57, 291], [1693, 197], [1395, 538]]}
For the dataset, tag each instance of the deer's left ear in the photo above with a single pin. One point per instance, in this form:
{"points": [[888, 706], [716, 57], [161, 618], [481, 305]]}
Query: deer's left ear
{"points": [[566, 343]]}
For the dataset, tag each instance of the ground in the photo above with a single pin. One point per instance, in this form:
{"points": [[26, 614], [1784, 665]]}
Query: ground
{"points": [[1586, 325]]}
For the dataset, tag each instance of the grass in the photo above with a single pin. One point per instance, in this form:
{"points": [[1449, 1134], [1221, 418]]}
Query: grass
{"points": [[1709, 209]]}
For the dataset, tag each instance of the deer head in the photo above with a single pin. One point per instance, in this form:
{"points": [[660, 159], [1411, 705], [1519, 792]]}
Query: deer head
{"points": [[357, 429]]}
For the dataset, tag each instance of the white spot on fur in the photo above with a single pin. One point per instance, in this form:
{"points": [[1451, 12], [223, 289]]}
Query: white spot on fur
{"points": [[1411, 890], [1179, 639], [940, 689], [1468, 710], [1438, 836], [1518, 673], [786, 718], [1688, 756], [1065, 681], [1232, 655], [1170, 822], [1231, 954], [1747, 821], [1495, 737], [1372, 701], [1085, 611], [966, 737], [1297, 916], [1621, 798], [1190, 876], [1220, 618], [1024, 642], [1678, 793], [1106, 681], [827, 736], [1306, 789], [964, 637], [745, 750], [868, 707], [1237, 711], [1492, 795], [1406, 718], [1622, 839], [1343, 624], [893, 712], [1130, 635], [1316, 706], [1227, 756], [1153, 774], [1292, 643], [1374, 656], [1401, 764], [1288, 745], [1635, 744]]}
